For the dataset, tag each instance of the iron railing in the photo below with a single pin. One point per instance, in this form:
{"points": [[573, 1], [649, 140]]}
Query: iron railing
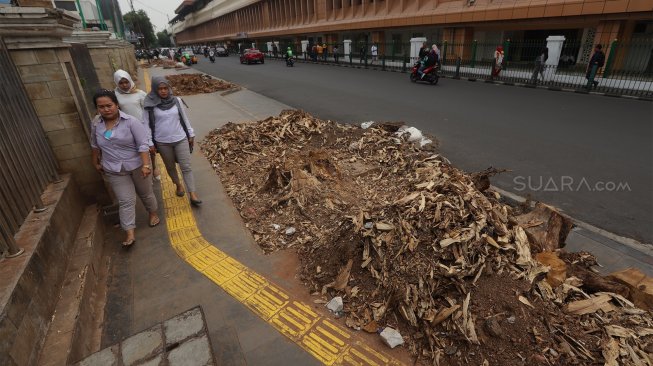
{"points": [[27, 162], [628, 68]]}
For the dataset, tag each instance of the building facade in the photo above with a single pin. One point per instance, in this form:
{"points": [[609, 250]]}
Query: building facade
{"points": [[395, 22]]}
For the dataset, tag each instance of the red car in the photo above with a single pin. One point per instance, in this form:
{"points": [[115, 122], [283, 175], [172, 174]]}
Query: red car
{"points": [[252, 55]]}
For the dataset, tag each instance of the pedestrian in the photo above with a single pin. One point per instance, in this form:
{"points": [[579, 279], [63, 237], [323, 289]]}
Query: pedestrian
{"points": [[596, 62], [275, 51], [375, 52], [540, 61], [497, 63], [119, 144], [335, 53], [320, 51], [325, 52], [131, 101], [171, 134], [363, 54]]}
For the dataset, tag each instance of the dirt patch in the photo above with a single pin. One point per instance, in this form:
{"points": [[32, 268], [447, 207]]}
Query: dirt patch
{"points": [[410, 241], [191, 84]]}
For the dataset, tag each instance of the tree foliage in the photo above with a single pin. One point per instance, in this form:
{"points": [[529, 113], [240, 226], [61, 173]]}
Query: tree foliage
{"points": [[139, 22], [164, 38]]}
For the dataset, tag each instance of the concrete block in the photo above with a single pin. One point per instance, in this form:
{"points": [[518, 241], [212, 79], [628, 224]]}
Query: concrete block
{"points": [[70, 120], [59, 88], [46, 56], [37, 91], [106, 357], [183, 326], [142, 345], [24, 57], [52, 106], [68, 136], [76, 150], [51, 123], [43, 72], [195, 352]]}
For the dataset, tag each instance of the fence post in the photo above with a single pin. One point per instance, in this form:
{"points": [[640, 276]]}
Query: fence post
{"points": [[403, 63], [458, 61], [611, 57], [12, 249], [444, 53], [473, 63], [383, 60]]}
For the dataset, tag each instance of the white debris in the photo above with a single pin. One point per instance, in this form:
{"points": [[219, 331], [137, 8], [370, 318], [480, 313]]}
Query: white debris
{"points": [[412, 134], [368, 225], [392, 337], [335, 305], [276, 227], [366, 125], [291, 230]]}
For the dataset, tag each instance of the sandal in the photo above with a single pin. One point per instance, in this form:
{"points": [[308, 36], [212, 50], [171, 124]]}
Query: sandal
{"points": [[154, 222], [180, 193], [127, 244]]}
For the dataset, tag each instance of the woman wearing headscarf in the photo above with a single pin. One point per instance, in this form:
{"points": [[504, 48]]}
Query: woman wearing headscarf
{"points": [[120, 149], [498, 61], [171, 134], [131, 100]]}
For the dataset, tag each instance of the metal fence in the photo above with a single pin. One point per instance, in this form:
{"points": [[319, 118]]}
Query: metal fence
{"points": [[628, 68], [27, 163]]}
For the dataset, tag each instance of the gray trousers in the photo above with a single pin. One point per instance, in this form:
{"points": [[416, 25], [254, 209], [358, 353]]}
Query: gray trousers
{"points": [[126, 185], [177, 153]]}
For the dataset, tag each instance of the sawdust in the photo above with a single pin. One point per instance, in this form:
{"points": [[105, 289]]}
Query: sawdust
{"points": [[410, 241]]}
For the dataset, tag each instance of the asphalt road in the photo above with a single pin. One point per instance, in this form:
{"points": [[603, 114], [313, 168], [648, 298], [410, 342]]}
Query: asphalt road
{"points": [[589, 155]]}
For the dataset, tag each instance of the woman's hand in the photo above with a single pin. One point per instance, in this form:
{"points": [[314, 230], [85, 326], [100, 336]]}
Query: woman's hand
{"points": [[146, 170]]}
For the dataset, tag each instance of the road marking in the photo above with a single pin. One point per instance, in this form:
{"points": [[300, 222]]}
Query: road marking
{"points": [[328, 342]]}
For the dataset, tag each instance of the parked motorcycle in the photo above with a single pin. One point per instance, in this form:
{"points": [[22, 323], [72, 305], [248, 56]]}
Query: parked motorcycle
{"points": [[430, 74]]}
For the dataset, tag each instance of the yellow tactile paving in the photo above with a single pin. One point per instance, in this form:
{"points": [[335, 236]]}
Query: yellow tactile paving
{"points": [[326, 341]]}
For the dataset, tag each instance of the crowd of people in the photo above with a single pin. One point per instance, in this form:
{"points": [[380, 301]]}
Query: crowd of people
{"points": [[131, 128]]}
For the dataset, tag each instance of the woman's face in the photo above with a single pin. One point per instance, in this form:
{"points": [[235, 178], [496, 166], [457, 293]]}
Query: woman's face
{"points": [[124, 85], [163, 91], [107, 108]]}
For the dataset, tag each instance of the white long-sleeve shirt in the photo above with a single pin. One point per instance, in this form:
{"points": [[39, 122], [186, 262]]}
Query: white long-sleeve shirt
{"points": [[167, 127], [132, 103]]}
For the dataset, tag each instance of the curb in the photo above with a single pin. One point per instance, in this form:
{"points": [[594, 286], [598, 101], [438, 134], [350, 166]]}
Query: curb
{"points": [[643, 248], [508, 83]]}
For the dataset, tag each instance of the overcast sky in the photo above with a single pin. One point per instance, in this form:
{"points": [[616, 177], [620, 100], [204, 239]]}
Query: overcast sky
{"points": [[157, 10]]}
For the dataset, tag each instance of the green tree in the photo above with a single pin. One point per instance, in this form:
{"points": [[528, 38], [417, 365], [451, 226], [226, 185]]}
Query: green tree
{"points": [[139, 22], [164, 38]]}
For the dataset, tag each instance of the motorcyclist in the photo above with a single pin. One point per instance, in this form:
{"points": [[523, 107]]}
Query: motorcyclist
{"points": [[212, 55], [289, 53], [429, 60]]}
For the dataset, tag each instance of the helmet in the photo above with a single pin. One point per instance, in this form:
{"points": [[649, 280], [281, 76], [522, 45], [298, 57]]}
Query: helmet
{"points": [[288, 48]]}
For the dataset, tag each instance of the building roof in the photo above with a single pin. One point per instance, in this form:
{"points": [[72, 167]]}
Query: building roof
{"points": [[185, 7]]}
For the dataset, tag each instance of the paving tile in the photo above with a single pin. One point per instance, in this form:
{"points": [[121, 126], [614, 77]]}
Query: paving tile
{"points": [[142, 345], [183, 326], [194, 352], [106, 357]]}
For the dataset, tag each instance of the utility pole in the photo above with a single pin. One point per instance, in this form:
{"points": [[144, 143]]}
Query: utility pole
{"points": [[131, 4]]}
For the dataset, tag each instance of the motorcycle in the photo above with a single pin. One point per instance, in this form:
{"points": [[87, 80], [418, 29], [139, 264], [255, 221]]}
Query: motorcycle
{"points": [[430, 74], [290, 61], [212, 57]]}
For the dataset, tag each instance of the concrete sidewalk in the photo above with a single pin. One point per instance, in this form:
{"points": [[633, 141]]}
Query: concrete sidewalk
{"points": [[151, 283]]}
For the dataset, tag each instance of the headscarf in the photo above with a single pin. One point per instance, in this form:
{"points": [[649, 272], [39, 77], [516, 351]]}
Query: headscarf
{"points": [[154, 100], [436, 49], [122, 74]]}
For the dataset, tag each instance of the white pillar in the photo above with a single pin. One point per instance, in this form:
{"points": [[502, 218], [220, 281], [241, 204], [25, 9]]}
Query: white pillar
{"points": [[270, 47], [304, 46], [253, 44], [347, 47], [415, 45], [554, 44], [276, 43]]}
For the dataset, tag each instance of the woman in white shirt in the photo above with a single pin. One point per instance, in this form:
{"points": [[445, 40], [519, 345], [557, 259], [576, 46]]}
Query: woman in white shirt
{"points": [[171, 134], [132, 101]]}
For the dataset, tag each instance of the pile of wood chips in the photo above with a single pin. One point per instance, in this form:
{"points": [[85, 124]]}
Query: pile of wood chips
{"points": [[411, 242], [190, 84]]}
